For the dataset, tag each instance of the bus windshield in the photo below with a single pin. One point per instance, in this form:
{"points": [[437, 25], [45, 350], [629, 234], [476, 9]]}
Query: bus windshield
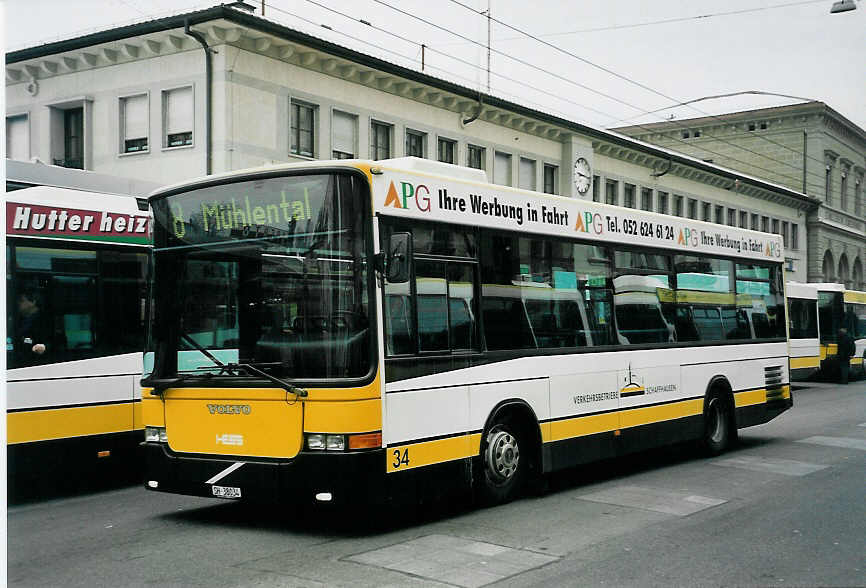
{"points": [[268, 272]]}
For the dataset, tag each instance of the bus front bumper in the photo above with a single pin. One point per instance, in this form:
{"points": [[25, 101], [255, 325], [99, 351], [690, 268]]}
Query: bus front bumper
{"points": [[339, 478]]}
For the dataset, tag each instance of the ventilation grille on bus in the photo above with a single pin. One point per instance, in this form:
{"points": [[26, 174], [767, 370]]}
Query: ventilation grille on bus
{"points": [[773, 382]]}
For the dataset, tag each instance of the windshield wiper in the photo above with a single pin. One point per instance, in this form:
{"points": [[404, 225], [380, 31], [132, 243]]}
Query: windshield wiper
{"points": [[236, 368]]}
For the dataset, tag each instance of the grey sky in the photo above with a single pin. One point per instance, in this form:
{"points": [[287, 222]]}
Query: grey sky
{"points": [[793, 47]]}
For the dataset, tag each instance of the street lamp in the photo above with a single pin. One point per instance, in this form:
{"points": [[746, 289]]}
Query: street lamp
{"points": [[843, 6]]}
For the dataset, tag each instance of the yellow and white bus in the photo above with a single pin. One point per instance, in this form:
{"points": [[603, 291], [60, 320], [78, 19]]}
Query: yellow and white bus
{"points": [[352, 330], [837, 308], [803, 341], [76, 279]]}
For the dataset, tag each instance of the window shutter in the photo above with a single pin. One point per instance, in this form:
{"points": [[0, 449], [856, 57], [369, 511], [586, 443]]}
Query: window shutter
{"points": [[178, 111], [343, 126], [17, 138], [502, 169], [135, 117], [527, 174]]}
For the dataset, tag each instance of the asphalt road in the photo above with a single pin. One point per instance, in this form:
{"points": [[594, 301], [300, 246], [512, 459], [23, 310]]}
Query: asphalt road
{"points": [[785, 508]]}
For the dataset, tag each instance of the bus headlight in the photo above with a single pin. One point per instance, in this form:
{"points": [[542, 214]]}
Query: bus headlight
{"points": [[322, 442], [155, 435], [335, 443]]}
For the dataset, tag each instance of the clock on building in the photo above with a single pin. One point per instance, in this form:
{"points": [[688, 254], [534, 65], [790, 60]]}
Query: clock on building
{"points": [[582, 175]]}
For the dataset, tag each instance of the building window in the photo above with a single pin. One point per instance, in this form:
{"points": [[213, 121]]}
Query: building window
{"points": [[18, 137], [73, 139], [720, 215], [611, 187], [795, 237], [475, 156], [751, 126], [550, 173], [685, 134], [526, 174], [764, 125], [344, 135], [380, 140], [775, 226], [662, 203], [177, 117], [502, 168], [693, 209], [447, 149], [755, 225], [732, 217], [646, 199], [697, 133], [678, 205], [785, 234], [134, 123], [415, 143], [744, 219], [765, 224], [629, 196], [596, 194], [843, 191], [303, 123], [707, 212], [857, 197], [828, 185]]}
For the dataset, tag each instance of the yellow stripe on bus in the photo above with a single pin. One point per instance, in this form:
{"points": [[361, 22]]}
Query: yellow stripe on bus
{"points": [[414, 455], [856, 360], [42, 425], [854, 297], [805, 362], [580, 426], [664, 412]]}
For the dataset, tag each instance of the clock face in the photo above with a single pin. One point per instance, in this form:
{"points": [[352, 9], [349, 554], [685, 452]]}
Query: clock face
{"points": [[582, 175]]}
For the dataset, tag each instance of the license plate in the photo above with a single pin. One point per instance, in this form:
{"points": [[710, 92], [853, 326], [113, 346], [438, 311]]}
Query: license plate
{"points": [[226, 491]]}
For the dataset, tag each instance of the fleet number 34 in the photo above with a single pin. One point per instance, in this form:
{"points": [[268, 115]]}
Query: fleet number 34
{"points": [[401, 458]]}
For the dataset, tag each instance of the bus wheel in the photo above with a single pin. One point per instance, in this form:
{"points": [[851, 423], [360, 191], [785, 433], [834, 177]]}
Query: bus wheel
{"points": [[503, 466], [719, 431]]}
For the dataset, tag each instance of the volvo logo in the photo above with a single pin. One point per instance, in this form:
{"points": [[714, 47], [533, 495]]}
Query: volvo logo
{"points": [[229, 408]]}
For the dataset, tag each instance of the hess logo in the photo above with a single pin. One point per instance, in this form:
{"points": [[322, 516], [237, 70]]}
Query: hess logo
{"points": [[417, 196]]}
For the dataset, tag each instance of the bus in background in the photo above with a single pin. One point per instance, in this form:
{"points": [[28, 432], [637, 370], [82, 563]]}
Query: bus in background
{"points": [[402, 325], [837, 308], [76, 278], [803, 343]]}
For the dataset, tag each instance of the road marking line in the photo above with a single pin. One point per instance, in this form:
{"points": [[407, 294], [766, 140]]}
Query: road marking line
{"points": [[786, 467], [664, 501], [844, 442], [225, 472]]}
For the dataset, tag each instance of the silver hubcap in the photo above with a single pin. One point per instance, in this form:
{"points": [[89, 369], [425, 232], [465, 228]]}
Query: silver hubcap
{"points": [[502, 455], [716, 422]]}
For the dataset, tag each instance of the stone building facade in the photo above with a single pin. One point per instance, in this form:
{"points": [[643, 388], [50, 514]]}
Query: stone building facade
{"points": [[809, 147], [139, 102]]}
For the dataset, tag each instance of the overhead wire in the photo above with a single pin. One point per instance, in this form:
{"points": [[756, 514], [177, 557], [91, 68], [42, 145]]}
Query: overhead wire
{"points": [[630, 81], [450, 73], [775, 173], [391, 33], [656, 22]]}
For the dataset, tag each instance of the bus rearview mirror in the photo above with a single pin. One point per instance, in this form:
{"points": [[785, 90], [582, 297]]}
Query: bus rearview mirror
{"points": [[399, 256]]}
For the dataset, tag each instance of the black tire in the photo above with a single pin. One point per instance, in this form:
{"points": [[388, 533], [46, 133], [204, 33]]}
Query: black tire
{"points": [[505, 457], [720, 432]]}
